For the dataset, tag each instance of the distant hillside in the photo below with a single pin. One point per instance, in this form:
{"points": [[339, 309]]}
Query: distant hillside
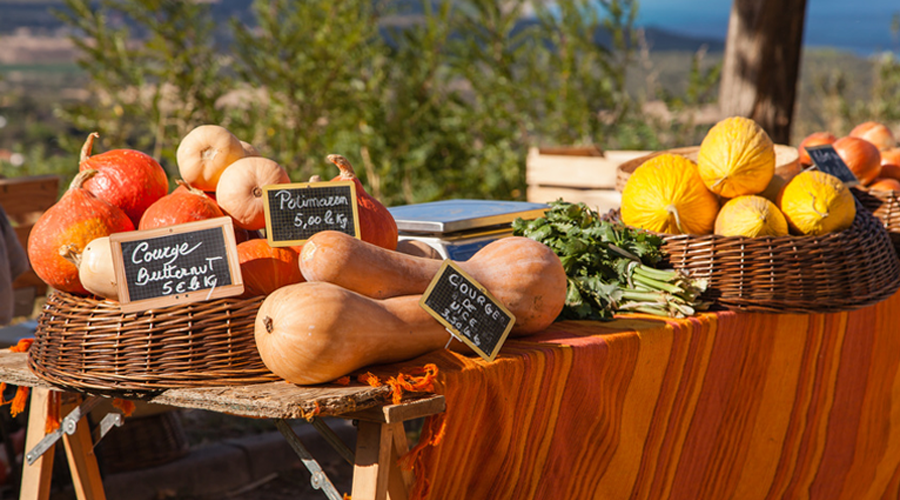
{"points": [[38, 17]]}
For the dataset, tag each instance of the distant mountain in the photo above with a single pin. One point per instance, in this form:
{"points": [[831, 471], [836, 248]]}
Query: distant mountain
{"points": [[38, 17], [661, 40]]}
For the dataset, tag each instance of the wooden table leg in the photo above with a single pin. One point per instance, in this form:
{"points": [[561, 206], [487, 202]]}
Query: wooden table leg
{"points": [[82, 461], [36, 477], [374, 443], [399, 480], [380, 442]]}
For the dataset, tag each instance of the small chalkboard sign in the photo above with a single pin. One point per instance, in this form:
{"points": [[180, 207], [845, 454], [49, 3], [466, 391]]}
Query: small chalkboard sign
{"points": [[295, 212], [827, 160], [468, 310], [177, 264]]}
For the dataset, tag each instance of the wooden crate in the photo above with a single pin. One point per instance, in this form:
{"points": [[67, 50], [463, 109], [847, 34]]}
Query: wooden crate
{"points": [[24, 199], [576, 174]]}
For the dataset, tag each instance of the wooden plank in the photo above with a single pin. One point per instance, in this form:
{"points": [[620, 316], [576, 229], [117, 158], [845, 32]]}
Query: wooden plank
{"points": [[374, 443], [86, 479], [402, 412], [25, 198], [36, 477], [601, 200], [576, 171], [267, 400]]}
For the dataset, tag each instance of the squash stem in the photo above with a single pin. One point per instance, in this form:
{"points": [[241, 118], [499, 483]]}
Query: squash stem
{"points": [[88, 146], [673, 210]]}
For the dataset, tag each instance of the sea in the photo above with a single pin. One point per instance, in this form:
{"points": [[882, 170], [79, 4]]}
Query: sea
{"points": [[860, 26]]}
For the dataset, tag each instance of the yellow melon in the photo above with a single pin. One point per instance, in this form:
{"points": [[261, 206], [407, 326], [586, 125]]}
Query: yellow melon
{"points": [[666, 195], [750, 216], [736, 157], [816, 203]]}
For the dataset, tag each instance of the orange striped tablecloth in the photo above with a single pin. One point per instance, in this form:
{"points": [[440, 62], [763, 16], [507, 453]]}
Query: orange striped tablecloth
{"points": [[720, 406]]}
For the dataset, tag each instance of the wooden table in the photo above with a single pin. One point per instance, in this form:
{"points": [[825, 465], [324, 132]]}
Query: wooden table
{"points": [[381, 438]]}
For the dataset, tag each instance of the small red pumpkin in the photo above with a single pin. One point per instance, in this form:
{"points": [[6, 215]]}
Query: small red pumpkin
{"points": [[128, 179], [184, 204], [376, 224], [265, 268], [64, 229]]}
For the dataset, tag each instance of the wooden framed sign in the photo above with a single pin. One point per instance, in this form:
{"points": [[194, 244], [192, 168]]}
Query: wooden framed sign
{"points": [[178, 264], [468, 310], [295, 212], [827, 160]]}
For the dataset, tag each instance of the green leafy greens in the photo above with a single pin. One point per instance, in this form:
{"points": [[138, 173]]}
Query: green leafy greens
{"points": [[610, 266]]}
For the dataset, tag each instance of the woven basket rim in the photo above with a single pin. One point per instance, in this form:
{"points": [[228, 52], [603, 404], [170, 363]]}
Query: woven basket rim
{"points": [[752, 274], [90, 345]]}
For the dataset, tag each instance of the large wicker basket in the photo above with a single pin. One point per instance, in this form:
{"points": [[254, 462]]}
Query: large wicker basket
{"points": [[90, 345], [885, 205], [803, 274]]}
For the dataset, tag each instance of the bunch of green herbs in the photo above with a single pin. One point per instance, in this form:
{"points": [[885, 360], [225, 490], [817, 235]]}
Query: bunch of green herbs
{"points": [[611, 266]]}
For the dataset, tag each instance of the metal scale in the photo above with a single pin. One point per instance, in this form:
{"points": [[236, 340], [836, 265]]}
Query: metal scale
{"points": [[456, 229]]}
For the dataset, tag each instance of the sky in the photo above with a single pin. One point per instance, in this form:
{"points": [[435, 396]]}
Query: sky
{"points": [[861, 25]]}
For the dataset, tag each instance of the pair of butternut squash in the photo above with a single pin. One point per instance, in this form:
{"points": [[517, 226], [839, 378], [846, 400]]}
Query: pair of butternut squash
{"points": [[360, 304]]}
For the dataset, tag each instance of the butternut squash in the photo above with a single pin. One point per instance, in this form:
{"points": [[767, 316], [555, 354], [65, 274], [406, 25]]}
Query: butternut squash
{"points": [[312, 333], [523, 274]]}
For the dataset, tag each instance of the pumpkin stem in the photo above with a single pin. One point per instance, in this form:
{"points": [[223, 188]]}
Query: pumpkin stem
{"points": [[673, 210], [347, 171], [81, 177], [267, 321], [191, 189], [70, 253], [88, 146]]}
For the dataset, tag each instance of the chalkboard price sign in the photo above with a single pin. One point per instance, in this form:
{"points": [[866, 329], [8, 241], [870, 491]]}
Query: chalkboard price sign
{"points": [[827, 160], [468, 310], [295, 212], [177, 264]]}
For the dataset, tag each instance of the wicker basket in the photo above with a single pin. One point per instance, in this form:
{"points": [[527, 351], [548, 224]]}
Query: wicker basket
{"points": [[885, 205], [146, 441], [90, 345], [803, 274], [787, 163]]}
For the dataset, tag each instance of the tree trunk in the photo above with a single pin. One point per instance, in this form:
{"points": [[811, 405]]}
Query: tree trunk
{"points": [[762, 63]]}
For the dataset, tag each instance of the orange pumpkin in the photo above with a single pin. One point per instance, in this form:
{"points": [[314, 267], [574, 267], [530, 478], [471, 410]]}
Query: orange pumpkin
{"points": [[265, 268], [185, 204], [875, 132], [885, 184], [376, 224], [66, 228], [128, 179], [861, 156], [890, 156]]}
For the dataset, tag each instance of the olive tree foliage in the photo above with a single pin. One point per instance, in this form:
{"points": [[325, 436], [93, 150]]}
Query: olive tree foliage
{"points": [[430, 100]]}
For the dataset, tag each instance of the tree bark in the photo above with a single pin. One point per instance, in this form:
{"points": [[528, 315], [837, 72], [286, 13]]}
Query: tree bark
{"points": [[762, 63]]}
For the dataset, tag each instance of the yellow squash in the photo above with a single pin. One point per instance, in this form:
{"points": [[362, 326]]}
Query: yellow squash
{"points": [[736, 157], [666, 195], [816, 203], [750, 216]]}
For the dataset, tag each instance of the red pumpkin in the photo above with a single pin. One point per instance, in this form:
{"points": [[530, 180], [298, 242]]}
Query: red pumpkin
{"points": [[376, 224], [126, 178], [266, 268], [184, 204], [66, 228], [240, 234]]}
